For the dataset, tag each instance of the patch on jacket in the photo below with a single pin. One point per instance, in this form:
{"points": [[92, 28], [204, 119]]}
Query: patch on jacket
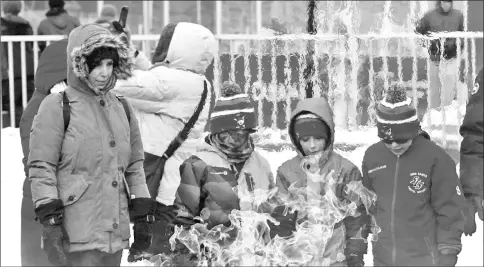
{"points": [[419, 183], [377, 168]]}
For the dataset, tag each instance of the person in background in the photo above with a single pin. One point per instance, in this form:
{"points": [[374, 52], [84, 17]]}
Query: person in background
{"points": [[51, 77], [57, 21], [164, 97], [312, 132], [420, 202], [472, 155], [108, 15], [13, 24], [87, 180], [444, 68]]}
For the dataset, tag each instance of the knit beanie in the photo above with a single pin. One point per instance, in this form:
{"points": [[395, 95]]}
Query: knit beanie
{"points": [[56, 3], [12, 7], [232, 111], [309, 124], [396, 117]]}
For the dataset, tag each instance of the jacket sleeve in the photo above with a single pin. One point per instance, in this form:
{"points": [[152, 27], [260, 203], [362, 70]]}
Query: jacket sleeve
{"points": [[356, 226], [45, 147], [448, 203], [135, 174], [189, 191], [143, 85], [471, 149], [287, 223]]}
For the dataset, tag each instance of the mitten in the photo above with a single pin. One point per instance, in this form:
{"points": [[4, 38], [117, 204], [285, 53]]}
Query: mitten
{"points": [[447, 259], [287, 224], [51, 216], [354, 251], [142, 215], [162, 228]]}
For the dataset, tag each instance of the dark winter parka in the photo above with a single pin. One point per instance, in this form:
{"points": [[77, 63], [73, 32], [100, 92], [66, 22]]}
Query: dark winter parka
{"points": [[419, 203], [96, 163], [290, 172], [471, 149], [52, 69]]}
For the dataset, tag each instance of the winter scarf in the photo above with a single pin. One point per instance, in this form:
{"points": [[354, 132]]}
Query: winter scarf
{"points": [[234, 155]]}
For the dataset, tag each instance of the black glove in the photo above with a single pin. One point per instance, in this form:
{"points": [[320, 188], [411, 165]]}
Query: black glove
{"points": [[447, 259], [162, 228], [51, 216], [355, 260], [142, 215], [287, 224], [470, 216], [354, 251]]}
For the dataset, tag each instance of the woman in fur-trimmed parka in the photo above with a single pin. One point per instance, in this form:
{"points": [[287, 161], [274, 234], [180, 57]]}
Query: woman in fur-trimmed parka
{"points": [[84, 177], [312, 132]]}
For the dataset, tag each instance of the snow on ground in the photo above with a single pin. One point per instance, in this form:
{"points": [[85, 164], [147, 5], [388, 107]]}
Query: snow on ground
{"points": [[12, 178]]}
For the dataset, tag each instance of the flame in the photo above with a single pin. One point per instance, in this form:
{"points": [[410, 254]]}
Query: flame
{"points": [[246, 240]]}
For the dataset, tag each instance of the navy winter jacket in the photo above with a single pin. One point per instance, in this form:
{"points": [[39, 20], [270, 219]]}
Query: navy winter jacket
{"points": [[471, 149], [419, 203]]}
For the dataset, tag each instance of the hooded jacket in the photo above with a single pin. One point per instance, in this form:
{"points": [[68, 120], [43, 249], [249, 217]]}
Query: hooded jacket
{"points": [[436, 20], [419, 203], [471, 149], [166, 96], [209, 180], [97, 162], [16, 25], [52, 69], [290, 173], [57, 22]]}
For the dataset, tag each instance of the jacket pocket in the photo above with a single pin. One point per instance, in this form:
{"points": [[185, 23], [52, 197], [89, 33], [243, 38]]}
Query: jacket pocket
{"points": [[431, 251], [77, 208]]}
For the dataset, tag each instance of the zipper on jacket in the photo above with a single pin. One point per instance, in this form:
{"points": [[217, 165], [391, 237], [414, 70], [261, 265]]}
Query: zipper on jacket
{"points": [[429, 246], [110, 242], [392, 218]]}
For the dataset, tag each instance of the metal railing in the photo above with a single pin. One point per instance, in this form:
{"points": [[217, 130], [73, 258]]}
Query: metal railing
{"points": [[344, 48]]}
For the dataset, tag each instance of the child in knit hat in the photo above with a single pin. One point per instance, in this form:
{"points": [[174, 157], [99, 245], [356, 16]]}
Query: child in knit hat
{"points": [[419, 196], [225, 164]]}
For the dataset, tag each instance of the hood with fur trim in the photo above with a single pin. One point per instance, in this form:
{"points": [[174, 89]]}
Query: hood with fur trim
{"points": [[192, 47], [82, 42]]}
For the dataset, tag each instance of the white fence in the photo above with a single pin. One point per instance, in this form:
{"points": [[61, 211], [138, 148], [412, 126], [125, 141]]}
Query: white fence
{"points": [[343, 80]]}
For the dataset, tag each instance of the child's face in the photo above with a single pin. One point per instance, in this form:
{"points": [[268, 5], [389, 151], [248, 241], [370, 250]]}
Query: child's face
{"points": [[235, 138], [312, 145], [398, 148]]}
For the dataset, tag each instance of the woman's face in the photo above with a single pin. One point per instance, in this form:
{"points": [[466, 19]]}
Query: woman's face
{"points": [[312, 145], [100, 75], [235, 138]]}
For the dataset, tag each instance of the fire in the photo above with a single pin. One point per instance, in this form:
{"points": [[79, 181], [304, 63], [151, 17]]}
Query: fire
{"points": [[246, 240]]}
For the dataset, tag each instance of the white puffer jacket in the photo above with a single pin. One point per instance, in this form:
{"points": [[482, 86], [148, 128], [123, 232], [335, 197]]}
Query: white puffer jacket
{"points": [[165, 97]]}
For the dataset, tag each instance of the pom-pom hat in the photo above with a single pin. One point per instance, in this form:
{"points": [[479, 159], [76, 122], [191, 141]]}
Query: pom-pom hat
{"points": [[233, 111], [396, 116]]}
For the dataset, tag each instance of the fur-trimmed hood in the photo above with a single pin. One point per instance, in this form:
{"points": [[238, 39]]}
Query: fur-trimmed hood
{"points": [[82, 41]]}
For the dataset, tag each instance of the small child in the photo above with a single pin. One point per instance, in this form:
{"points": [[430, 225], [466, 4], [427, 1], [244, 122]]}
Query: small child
{"points": [[311, 130], [419, 197]]}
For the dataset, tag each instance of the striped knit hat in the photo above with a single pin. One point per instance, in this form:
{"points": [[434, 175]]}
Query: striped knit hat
{"points": [[396, 117], [233, 111]]}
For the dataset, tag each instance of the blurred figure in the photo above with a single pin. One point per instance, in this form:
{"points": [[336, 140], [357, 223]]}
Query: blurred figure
{"points": [[13, 24], [471, 155], [51, 77], [108, 15], [443, 73], [58, 21]]}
